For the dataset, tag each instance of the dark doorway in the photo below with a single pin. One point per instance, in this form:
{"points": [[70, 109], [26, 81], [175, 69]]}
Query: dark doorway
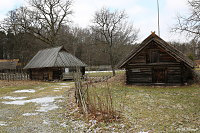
{"points": [[159, 75], [57, 74]]}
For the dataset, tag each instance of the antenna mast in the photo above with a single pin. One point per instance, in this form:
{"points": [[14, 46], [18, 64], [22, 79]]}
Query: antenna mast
{"points": [[158, 18]]}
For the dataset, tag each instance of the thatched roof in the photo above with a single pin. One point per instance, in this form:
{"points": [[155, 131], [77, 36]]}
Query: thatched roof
{"points": [[164, 45], [8, 64], [54, 57]]}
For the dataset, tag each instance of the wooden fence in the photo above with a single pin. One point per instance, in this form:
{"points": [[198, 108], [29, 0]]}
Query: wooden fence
{"points": [[14, 75]]}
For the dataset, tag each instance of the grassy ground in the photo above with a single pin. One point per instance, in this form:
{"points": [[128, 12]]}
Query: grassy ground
{"points": [[12, 118], [155, 109], [147, 109]]}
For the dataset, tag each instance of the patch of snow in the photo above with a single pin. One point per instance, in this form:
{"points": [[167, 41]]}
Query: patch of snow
{"points": [[46, 103], [47, 107], [25, 91], [93, 122], [101, 71], [57, 88], [65, 86], [96, 71], [59, 101], [45, 122], [63, 124], [13, 98], [187, 129], [19, 102], [29, 114], [63, 83], [2, 123], [41, 89]]}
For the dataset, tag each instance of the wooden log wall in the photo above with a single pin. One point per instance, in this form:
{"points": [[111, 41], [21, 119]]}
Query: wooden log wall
{"points": [[46, 73], [139, 74], [175, 74]]}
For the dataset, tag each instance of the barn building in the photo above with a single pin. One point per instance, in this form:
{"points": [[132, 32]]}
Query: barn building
{"points": [[155, 62], [54, 64]]}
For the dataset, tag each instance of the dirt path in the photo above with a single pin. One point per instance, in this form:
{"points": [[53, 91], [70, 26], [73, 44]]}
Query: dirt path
{"points": [[46, 108]]}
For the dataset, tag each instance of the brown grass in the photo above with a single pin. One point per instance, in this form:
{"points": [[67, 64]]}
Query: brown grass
{"points": [[5, 83]]}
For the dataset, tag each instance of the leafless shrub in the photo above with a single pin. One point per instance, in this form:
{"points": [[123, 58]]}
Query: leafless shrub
{"points": [[100, 104], [96, 102]]}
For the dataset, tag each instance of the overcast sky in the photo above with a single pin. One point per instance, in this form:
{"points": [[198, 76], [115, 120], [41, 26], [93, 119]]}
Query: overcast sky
{"points": [[142, 13]]}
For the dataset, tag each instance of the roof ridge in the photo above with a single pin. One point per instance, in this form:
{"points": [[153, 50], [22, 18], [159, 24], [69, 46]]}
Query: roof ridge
{"points": [[57, 55]]}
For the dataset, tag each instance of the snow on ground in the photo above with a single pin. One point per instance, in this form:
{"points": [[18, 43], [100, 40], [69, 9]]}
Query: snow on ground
{"points": [[63, 83], [187, 129], [29, 114], [2, 123], [100, 71], [96, 71], [46, 122], [57, 88], [66, 86], [13, 98], [41, 89], [25, 91], [46, 103]]}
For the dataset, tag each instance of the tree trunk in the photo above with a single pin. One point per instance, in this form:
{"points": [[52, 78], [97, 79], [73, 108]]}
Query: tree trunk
{"points": [[111, 61]]}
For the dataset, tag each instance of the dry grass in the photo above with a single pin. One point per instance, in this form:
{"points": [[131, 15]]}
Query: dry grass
{"points": [[142, 108], [155, 109], [100, 105], [5, 83]]}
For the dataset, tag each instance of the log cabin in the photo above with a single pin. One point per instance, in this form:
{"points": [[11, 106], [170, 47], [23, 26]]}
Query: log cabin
{"points": [[54, 64], [156, 62]]}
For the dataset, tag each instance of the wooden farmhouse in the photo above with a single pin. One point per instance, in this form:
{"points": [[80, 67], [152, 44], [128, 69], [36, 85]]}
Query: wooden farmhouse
{"points": [[54, 64], [155, 62]]}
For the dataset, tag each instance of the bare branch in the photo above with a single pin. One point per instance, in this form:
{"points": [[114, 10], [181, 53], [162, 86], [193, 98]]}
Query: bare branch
{"points": [[190, 24]]}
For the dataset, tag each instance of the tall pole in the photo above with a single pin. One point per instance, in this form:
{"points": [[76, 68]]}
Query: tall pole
{"points": [[158, 18]]}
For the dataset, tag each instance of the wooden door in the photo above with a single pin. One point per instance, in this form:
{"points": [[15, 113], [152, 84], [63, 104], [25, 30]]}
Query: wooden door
{"points": [[159, 75]]}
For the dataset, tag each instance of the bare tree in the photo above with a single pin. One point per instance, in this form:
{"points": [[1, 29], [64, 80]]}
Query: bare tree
{"points": [[190, 24], [113, 29], [42, 18]]}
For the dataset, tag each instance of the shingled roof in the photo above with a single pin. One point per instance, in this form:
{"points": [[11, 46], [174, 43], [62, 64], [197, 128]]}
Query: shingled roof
{"points": [[54, 57], [164, 45]]}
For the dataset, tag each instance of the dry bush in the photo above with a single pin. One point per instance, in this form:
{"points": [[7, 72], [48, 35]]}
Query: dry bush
{"points": [[95, 102], [100, 104]]}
